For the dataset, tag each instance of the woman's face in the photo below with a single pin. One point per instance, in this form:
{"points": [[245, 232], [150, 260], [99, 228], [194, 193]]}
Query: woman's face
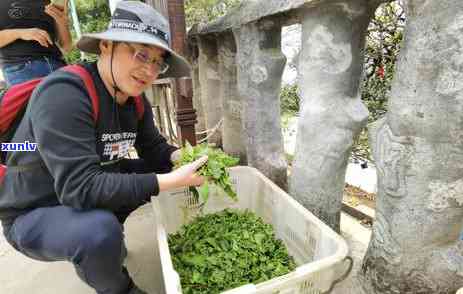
{"points": [[135, 66]]}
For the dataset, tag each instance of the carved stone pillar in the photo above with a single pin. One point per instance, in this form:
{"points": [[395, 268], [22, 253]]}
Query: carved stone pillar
{"points": [[260, 66], [418, 148], [331, 111], [233, 136], [201, 124], [210, 86]]}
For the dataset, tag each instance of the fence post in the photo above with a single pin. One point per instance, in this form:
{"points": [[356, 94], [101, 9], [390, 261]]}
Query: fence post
{"points": [[185, 113]]}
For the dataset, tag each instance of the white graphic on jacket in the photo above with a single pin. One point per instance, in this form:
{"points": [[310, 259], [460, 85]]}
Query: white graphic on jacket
{"points": [[117, 145]]}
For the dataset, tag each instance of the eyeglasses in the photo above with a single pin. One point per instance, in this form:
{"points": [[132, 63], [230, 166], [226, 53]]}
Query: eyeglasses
{"points": [[142, 56]]}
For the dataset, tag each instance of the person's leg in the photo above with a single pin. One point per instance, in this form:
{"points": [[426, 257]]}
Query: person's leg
{"points": [[35, 68], [43, 66], [54, 64], [16, 73], [91, 240]]}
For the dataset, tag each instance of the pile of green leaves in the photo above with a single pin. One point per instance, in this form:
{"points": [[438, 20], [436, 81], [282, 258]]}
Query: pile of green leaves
{"points": [[225, 250], [214, 170]]}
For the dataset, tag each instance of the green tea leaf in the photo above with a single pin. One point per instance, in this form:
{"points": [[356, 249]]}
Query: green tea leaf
{"points": [[259, 237], [204, 191], [224, 250], [214, 170], [188, 149]]}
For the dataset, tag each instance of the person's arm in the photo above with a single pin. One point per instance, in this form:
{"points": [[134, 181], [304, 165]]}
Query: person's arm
{"points": [[8, 36], [60, 15], [64, 130], [151, 146], [184, 176]]}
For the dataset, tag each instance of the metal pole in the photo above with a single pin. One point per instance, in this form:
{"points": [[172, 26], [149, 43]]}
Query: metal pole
{"points": [[75, 19]]}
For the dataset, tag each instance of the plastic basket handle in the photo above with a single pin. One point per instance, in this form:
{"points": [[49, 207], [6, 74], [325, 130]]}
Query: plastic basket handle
{"points": [[344, 276]]}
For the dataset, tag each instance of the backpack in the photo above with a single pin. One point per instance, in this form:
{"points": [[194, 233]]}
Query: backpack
{"points": [[13, 103]]}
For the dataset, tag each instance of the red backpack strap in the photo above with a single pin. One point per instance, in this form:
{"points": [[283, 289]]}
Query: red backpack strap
{"points": [[140, 107], [88, 81], [2, 172], [14, 100]]}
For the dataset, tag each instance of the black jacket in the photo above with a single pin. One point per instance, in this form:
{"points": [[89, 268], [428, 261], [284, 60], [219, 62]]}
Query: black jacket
{"points": [[79, 163]]}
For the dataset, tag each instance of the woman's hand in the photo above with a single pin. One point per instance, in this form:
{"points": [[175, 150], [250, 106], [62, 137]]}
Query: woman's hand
{"points": [[35, 34], [59, 14], [184, 176]]}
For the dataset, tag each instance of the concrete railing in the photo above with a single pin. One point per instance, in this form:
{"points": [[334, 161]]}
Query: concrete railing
{"points": [[239, 69], [417, 147]]}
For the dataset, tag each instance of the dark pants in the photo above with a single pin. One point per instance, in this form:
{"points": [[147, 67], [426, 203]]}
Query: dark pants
{"points": [[92, 240], [15, 73]]}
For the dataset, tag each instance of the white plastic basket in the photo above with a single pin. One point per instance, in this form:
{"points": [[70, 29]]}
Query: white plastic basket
{"points": [[318, 251]]}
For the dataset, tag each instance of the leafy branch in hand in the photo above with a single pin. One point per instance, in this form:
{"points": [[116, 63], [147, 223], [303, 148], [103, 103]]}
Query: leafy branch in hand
{"points": [[215, 170]]}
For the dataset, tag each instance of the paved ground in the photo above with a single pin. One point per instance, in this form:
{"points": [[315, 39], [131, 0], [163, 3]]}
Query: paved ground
{"points": [[21, 275], [357, 237]]}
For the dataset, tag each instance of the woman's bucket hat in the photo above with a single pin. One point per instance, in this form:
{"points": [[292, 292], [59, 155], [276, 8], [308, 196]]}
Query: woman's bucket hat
{"points": [[137, 22]]}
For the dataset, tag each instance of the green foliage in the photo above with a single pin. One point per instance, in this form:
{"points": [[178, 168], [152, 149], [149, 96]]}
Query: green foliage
{"points": [[361, 149], [73, 56], [289, 158], [200, 11], [226, 250], [94, 16], [289, 99], [214, 170], [385, 34], [286, 120], [384, 38]]}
